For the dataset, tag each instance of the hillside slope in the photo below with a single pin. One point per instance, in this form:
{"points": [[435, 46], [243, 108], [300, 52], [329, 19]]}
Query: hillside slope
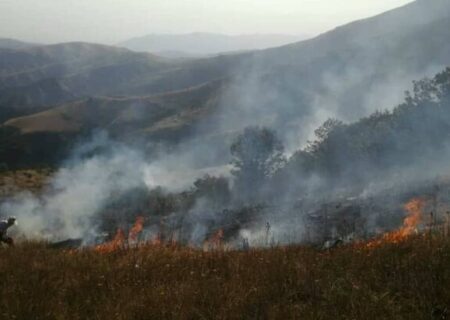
{"points": [[24, 66], [346, 73], [90, 69], [38, 77], [166, 117], [123, 115], [32, 98]]}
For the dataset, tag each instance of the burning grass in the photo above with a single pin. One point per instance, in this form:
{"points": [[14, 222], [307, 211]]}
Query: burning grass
{"points": [[405, 280], [411, 223], [120, 241]]}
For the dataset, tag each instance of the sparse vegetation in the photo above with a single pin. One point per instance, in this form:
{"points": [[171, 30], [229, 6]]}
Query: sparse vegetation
{"points": [[31, 180], [408, 280]]}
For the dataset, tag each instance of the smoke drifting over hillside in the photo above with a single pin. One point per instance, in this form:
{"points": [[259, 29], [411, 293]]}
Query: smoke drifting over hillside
{"points": [[82, 187], [99, 172], [381, 160], [362, 171], [347, 73]]}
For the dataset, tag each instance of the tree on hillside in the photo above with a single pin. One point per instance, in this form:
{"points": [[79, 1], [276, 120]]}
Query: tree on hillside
{"points": [[417, 131], [257, 154], [426, 91], [215, 189], [324, 132], [323, 150]]}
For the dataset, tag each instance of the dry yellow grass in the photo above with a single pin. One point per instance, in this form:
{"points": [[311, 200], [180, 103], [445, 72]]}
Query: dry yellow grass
{"points": [[410, 280], [32, 180]]}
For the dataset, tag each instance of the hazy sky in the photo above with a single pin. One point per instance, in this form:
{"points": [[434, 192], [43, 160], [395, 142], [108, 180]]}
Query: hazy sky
{"points": [[110, 21]]}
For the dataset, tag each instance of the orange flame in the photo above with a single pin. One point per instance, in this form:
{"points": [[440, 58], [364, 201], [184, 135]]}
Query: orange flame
{"points": [[119, 240], [115, 244], [414, 209], [136, 229]]}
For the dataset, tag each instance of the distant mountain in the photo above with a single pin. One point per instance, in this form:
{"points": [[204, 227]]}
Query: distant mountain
{"points": [[345, 73], [71, 60], [15, 44], [204, 44]]}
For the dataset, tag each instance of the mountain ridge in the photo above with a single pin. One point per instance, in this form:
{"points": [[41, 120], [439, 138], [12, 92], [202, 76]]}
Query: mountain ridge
{"points": [[204, 44], [345, 73]]}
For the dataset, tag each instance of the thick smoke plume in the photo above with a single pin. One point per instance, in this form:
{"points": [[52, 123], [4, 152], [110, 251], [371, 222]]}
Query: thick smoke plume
{"points": [[99, 173], [78, 191]]}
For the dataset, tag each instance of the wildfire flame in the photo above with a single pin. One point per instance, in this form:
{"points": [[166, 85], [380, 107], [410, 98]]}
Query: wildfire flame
{"points": [[136, 229], [120, 240], [116, 243], [414, 208]]}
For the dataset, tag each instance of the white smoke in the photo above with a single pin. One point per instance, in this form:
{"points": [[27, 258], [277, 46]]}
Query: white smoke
{"points": [[97, 172], [77, 192]]}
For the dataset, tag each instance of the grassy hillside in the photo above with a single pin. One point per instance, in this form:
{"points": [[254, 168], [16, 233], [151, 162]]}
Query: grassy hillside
{"points": [[351, 70], [35, 79], [33, 98], [362, 57], [395, 23], [13, 182], [408, 280], [67, 60], [150, 113], [93, 69], [46, 137]]}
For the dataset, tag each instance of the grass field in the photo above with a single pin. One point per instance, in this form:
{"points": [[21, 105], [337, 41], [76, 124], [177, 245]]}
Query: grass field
{"points": [[408, 280]]}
